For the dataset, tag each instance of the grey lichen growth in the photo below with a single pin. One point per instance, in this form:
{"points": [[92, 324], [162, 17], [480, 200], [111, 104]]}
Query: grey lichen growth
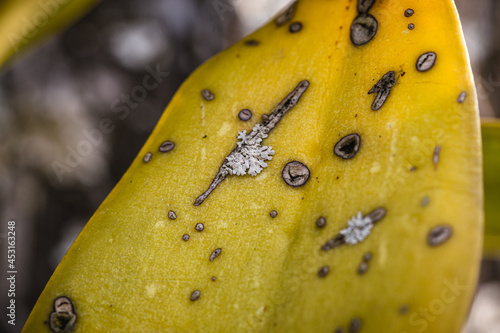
{"points": [[358, 228], [63, 318], [249, 155]]}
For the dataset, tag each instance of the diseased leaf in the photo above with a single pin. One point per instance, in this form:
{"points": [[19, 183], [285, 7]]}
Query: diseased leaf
{"points": [[362, 221]]}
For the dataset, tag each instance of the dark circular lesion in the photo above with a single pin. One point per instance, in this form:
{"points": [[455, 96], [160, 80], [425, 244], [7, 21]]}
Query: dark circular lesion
{"points": [[439, 235], [252, 42], [426, 61], [363, 29], [295, 27], [245, 114], [166, 146], [295, 173], [348, 146]]}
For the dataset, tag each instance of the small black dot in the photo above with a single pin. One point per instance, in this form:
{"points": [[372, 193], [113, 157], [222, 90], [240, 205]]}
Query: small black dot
{"points": [[323, 271], [295, 27], [409, 12], [252, 42], [411, 26], [321, 222]]}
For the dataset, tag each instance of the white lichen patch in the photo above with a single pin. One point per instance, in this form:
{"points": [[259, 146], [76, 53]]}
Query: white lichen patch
{"points": [[358, 228], [251, 156]]}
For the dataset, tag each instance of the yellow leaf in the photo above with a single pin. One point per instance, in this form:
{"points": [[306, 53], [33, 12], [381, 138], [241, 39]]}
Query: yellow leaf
{"points": [[367, 217]]}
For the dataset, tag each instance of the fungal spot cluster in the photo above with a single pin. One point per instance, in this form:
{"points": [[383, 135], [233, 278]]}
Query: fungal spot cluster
{"points": [[295, 174], [382, 88], [63, 316], [249, 155], [358, 229], [364, 27]]}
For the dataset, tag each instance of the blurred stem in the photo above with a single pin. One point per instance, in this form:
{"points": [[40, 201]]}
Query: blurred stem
{"points": [[24, 23], [491, 164]]}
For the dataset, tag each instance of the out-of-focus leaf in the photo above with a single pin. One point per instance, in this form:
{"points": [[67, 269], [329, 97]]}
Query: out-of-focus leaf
{"points": [[26, 22], [491, 161]]}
